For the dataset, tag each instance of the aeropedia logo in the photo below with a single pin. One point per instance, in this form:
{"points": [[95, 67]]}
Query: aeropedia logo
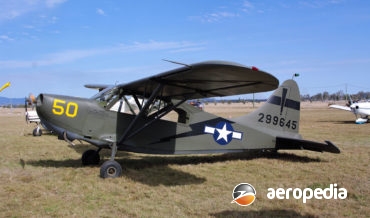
{"points": [[332, 192], [244, 194]]}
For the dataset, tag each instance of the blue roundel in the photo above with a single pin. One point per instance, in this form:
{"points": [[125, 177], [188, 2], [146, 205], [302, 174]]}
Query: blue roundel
{"points": [[223, 133]]}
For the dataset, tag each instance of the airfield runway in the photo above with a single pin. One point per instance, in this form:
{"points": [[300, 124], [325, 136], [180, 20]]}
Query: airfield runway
{"points": [[43, 177]]}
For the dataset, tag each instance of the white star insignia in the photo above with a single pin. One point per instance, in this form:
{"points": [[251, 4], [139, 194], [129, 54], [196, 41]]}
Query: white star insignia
{"points": [[223, 133]]}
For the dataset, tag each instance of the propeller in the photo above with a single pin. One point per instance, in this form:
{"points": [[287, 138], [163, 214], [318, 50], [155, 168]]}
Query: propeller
{"points": [[350, 101], [29, 101]]}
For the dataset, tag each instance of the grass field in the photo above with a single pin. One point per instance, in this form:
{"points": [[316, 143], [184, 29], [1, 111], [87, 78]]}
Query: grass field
{"points": [[43, 177]]}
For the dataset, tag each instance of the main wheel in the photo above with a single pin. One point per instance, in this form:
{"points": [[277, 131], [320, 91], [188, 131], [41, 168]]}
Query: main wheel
{"points": [[110, 169], [90, 157], [37, 132]]}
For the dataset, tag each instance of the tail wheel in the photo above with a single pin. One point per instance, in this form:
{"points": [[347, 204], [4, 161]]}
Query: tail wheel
{"points": [[110, 169], [90, 157]]}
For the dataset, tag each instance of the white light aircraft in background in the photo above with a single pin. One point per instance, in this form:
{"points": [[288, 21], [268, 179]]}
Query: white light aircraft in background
{"points": [[361, 109]]}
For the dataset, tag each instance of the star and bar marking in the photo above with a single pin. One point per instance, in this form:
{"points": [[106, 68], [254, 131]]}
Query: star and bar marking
{"points": [[223, 133]]}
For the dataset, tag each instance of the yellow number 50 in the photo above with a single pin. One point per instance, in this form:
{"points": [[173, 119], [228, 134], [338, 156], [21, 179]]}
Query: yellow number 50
{"points": [[60, 107]]}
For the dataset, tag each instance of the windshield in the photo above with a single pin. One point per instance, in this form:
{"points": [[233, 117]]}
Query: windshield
{"points": [[108, 96], [114, 99]]}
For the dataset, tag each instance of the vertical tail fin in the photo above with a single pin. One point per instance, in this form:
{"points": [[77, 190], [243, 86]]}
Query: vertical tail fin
{"points": [[281, 112], [279, 117]]}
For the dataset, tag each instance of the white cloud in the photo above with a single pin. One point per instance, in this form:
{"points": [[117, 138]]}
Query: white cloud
{"points": [[12, 9], [29, 26], [248, 5], [5, 38], [77, 54], [225, 13], [215, 16], [53, 19], [100, 11], [155, 45], [319, 4], [53, 3], [188, 49]]}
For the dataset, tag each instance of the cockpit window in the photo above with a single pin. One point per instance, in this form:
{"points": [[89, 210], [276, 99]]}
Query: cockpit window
{"points": [[108, 97], [115, 99]]}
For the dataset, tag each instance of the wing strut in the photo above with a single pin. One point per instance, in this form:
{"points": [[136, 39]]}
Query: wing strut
{"points": [[158, 115], [141, 113], [128, 104], [137, 102]]}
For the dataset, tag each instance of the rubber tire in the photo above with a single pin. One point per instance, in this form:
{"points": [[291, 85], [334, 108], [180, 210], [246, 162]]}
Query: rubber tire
{"points": [[36, 133], [110, 169], [90, 157]]}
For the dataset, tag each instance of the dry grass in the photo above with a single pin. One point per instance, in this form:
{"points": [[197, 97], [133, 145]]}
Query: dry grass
{"points": [[53, 183]]}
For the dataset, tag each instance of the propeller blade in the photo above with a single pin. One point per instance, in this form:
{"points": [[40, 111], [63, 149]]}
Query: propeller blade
{"points": [[31, 99]]}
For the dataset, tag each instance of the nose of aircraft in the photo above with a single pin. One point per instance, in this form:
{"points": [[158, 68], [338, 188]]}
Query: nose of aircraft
{"points": [[43, 106], [39, 100], [354, 108], [39, 104]]}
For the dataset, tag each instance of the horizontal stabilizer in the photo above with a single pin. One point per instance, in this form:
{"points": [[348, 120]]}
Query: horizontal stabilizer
{"points": [[293, 144], [100, 87]]}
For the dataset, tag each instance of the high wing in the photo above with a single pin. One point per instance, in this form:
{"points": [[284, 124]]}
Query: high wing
{"points": [[203, 80], [340, 107]]}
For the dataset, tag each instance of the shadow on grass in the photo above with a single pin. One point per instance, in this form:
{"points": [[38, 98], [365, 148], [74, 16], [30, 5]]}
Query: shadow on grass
{"points": [[139, 162], [261, 213], [163, 175], [154, 160], [138, 170], [155, 170], [352, 122]]}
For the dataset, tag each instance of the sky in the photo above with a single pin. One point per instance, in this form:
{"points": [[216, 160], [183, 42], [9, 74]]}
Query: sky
{"points": [[58, 46]]}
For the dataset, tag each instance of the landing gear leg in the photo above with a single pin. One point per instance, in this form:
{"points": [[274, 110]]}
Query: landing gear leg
{"points": [[114, 151], [111, 168]]}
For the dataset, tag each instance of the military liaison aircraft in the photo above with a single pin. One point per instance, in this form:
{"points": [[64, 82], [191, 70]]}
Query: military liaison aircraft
{"points": [[273, 126]]}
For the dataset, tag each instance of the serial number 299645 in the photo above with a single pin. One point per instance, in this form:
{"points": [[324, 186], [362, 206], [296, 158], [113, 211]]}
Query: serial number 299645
{"points": [[277, 121]]}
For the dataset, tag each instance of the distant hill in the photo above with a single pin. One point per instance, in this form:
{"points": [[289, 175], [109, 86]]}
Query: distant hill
{"points": [[14, 101]]}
